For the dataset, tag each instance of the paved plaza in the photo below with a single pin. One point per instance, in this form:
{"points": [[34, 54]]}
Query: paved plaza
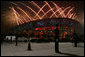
{"points": [[41, 49]]}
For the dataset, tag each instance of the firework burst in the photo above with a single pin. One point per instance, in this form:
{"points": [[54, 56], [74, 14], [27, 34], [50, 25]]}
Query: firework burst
{"points": [[57, 12]]}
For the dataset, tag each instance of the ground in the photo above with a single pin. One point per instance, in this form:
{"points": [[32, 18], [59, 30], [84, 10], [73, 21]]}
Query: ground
{"points": [[41, 49]]}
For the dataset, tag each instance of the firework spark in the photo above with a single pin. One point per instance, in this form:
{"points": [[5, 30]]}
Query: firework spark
{"points": [[59, 12], [50, 7], [55, 12], [37, 6]]}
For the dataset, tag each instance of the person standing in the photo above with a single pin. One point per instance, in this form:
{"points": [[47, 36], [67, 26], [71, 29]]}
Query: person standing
{"points": [[75, 38], [16, 40], [56, 31]]}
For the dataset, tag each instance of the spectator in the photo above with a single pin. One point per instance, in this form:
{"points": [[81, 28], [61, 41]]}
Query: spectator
{"points": [[56, 31]]}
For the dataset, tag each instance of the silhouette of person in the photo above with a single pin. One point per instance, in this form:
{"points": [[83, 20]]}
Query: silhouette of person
{"points": [[56, 31], [75, 38], [16, 40]]}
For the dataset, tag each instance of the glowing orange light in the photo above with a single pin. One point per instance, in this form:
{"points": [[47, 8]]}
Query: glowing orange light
{"points": [[56, 12]]}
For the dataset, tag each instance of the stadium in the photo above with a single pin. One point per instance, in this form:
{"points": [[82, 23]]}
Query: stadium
{"points": [[28, 28], [41, 22], [43, 29]]}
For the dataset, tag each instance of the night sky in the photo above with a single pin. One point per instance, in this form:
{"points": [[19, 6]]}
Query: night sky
{"points": [[7, 21]]}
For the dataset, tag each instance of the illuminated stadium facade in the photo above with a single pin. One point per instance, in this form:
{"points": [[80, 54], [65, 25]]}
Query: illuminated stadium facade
{"points": [[43, 29]]}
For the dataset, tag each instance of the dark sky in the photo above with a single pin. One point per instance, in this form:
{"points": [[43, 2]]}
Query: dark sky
{"points": [[6, 24]]}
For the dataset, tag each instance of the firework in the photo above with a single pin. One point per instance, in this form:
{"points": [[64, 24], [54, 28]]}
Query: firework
{"points": [[58, 12]]}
